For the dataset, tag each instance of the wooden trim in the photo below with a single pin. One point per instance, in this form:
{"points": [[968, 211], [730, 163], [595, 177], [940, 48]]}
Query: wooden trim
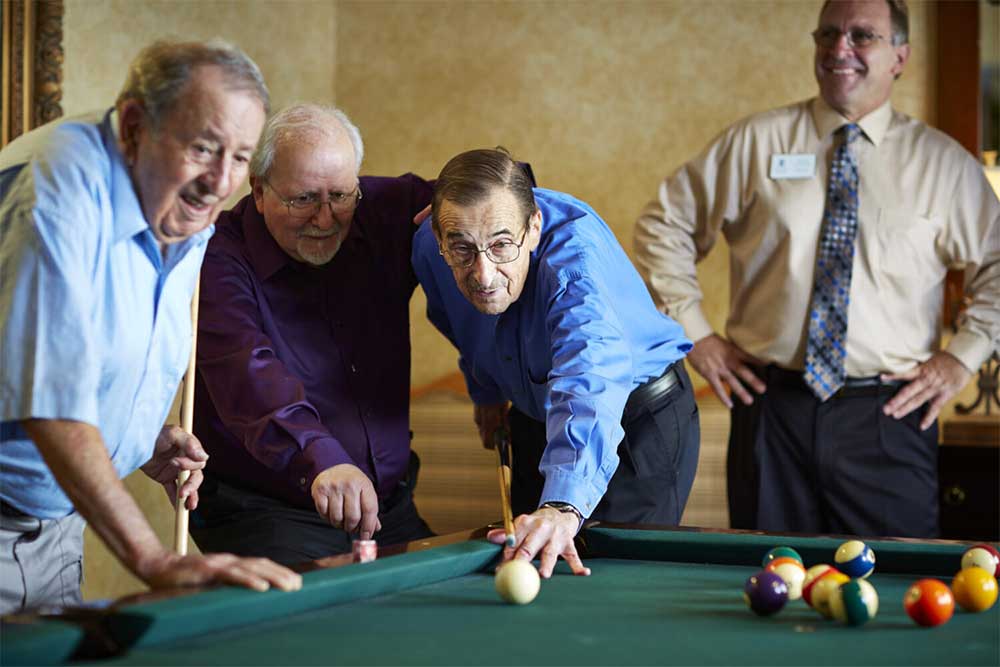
{"points": [[453, 383], [32, 65], [958, 91], [958, 95], [27, 65]]}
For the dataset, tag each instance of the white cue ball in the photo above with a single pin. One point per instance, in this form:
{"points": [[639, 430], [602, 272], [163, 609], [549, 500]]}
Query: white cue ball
{"points": [[517, 582]]}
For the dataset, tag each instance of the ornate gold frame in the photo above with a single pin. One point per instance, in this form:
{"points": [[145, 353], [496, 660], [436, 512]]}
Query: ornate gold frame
{"points": [[32, 65]]}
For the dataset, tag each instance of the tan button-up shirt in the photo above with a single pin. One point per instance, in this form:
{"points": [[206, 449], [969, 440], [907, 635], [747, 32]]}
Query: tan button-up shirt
{"points": [[924, 206]]}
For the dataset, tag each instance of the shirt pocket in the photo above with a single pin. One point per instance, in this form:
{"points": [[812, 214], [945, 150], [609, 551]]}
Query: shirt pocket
{"points": [[907, 243]]}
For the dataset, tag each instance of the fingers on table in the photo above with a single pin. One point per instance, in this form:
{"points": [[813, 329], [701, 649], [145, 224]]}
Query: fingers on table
{"points": [[255, 573]]}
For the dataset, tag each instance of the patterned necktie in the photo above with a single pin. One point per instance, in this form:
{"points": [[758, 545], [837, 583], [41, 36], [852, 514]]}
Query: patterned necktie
{"points": [[825, 347]]}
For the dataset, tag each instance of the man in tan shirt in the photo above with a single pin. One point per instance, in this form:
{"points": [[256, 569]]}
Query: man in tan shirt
{"points": [[863, 460]]}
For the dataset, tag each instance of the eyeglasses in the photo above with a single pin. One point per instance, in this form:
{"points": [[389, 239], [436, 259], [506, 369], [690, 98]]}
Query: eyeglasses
{"points": [[504, 251], [857, 38], [308, 204]]}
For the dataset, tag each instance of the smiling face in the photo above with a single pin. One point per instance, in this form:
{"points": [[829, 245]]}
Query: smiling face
{"points": [[311, 166], [856, 81], [498, 218], [185, 169]]}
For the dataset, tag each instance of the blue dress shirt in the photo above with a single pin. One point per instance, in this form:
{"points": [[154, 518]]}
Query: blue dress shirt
{"points": [[583, 334], [94, 320]]}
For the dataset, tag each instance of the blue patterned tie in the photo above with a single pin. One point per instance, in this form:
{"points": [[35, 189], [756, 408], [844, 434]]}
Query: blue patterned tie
{"points": [[825, 347]]}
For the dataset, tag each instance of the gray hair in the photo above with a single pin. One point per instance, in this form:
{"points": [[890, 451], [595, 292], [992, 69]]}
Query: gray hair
{"points": [[160, 72], [294, 120], [470, 177]]}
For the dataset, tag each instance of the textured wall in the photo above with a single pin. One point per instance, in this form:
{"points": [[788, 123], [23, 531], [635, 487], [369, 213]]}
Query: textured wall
{"points": [[294, 43], [603, 98]]}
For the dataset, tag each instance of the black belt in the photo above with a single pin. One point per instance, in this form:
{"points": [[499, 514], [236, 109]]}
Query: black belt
{"points": [[653, 389], [853, 387]]}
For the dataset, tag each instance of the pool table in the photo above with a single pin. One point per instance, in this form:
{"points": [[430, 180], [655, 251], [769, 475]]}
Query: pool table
{"points": [[656, 596]]}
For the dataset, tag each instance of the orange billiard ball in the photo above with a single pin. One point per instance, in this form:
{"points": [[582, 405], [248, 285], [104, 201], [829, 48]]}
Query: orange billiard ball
{"points": [[929, 602]]}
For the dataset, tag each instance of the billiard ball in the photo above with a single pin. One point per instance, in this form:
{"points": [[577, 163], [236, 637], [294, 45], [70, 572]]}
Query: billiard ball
{"points": [[984, 556], [792, 572], [855, 559], [780, 552], [929, 602], [813, 575], [823, 589], [854, 602], [517, 581], [974, 589], [765, 593]]}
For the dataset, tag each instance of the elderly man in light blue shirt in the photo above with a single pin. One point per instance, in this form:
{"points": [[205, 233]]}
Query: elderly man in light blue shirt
{"points": [[104, 220], [547, 312]]}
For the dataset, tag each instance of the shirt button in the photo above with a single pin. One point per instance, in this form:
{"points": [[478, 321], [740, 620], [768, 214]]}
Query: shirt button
{"points": [[302, 481], [354, 368]]}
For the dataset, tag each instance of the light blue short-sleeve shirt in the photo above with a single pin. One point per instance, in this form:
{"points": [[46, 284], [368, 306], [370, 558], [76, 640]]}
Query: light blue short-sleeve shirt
{"points": [[94, 319]]}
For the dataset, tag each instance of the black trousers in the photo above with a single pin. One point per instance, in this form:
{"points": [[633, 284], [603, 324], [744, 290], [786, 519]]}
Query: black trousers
{"points": [[659, 458], [838, 467], [247, 523]]}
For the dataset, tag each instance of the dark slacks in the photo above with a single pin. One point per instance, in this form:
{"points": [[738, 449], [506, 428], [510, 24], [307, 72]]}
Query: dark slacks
{"points": [[838, 467], [659, 457], [247, 523]]}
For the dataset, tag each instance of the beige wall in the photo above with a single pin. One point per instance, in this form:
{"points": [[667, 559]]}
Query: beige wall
{"points": [[604, 98]]}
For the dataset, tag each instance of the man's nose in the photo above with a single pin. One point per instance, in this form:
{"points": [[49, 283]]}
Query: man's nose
{"points": [[483, 269], [324, 218], [218, 177]]}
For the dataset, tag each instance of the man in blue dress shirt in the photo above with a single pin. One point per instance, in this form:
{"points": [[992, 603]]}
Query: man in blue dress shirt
{"points": [[548, 313], [104, 220]]}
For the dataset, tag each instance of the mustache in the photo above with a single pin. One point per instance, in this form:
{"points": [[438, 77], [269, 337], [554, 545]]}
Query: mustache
{"points": [[312, 232], [499, 283], [835, 63]]}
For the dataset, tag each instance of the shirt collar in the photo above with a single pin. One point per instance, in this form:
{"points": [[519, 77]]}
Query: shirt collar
{"points": [[874, 125], [128, 219]]}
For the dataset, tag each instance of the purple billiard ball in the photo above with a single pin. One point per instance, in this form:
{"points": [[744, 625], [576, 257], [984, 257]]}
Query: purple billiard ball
{"points": [[765, 592]]}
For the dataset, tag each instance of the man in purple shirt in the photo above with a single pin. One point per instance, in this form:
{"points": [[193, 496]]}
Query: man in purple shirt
{"points": [[303, 350]]}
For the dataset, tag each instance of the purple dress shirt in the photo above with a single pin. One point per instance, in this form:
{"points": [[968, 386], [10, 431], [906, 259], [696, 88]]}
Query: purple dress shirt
{"points": [[303, 368]]}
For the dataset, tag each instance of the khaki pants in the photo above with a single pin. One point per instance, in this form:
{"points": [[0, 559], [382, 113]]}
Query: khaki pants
{"points": [[41, 562]]}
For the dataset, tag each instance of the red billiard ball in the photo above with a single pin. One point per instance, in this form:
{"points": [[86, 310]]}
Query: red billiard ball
{"points": [[765, 593], [929, 602], [984, 556]]}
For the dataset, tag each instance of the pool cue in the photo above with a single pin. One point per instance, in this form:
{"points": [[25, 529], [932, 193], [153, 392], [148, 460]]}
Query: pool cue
{"points": [[187, 419], [501, 443]]}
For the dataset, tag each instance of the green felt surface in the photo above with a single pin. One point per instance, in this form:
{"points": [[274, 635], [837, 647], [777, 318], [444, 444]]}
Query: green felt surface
{"points": [[629, 612], [49, 642]]}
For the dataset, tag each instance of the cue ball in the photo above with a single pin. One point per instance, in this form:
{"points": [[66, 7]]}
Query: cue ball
{"points": [[517, 582]]}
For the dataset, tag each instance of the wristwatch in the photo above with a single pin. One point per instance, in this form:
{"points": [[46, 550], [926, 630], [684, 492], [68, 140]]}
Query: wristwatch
{"points": [[565, 508]]}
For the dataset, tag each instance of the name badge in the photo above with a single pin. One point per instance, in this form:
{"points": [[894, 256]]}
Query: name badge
{"points": [[793, 165]]}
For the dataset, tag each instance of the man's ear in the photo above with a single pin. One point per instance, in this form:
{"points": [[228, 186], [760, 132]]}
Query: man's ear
{"points": [[132, 123], [902, 53], [534, 229], [257, 190]]}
